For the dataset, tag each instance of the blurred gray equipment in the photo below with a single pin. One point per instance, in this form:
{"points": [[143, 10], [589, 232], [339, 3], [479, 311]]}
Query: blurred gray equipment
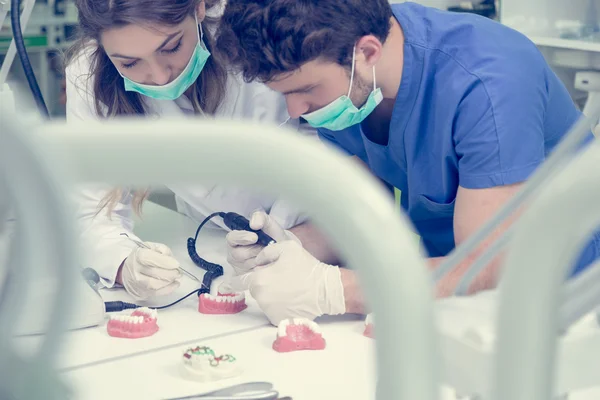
{"points": [[42, 234]]}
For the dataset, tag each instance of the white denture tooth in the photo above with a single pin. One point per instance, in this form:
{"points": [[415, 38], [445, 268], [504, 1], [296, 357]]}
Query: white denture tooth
{"points": [[298, 321], [282, 328], [369, 319], [141, 319], [122, 318], [225, 288], [312, 325]]}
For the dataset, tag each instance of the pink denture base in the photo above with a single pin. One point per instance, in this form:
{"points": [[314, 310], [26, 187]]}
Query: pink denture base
{"points": [[369, 331], [230, 303], [299, 337], [138, 325]]}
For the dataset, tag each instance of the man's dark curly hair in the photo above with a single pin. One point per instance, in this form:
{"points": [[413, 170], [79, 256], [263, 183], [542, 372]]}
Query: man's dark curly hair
{"points": [[266, 38]]}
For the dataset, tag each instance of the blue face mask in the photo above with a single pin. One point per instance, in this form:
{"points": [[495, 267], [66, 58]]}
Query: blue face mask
{"points": [[179, 85], [342, 113]]}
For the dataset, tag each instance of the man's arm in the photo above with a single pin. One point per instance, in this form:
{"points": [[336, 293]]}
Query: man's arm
{"points": [[473, 207], [315, 242]]}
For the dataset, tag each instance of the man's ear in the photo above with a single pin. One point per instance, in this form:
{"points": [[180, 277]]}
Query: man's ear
{"points": [[368, 50], [201, 11]]}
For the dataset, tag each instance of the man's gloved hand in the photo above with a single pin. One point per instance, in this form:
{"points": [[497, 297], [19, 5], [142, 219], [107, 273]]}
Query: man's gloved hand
{"points": [[289, 282], [152, 272], [242, 248]]}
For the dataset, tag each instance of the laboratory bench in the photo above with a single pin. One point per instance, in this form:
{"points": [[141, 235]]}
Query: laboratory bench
{"points": [[95, 365]]}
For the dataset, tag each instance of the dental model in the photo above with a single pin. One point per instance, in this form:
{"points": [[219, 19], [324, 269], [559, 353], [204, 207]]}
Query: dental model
{"points": [[201, 364], [369, 326], [225, 301], [298, 334], [141, 323]]}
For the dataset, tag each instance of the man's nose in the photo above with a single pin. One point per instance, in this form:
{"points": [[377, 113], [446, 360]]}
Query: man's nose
{"points": [[296, 108]]}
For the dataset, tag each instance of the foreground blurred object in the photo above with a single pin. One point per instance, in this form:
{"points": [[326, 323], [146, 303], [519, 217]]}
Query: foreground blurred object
{"points": [[43, 238], [535, 338], [568, 201]]}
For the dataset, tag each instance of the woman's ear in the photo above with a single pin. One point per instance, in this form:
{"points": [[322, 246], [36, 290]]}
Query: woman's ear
{"points": [[201, 11]]}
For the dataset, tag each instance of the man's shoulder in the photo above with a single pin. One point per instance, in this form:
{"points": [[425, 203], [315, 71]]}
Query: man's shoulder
{"points": [[474, 43]]}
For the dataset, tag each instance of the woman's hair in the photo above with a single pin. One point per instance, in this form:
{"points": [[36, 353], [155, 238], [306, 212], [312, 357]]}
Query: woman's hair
{"points": [[110, 97]]}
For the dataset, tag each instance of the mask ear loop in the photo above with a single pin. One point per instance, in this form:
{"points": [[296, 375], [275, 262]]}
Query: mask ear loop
{"points": [[374, 80], [352, 73], [199, 32], [285, 122]]}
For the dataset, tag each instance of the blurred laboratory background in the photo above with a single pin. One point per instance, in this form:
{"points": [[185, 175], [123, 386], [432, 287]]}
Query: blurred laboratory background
{"points": [[567, 32]]}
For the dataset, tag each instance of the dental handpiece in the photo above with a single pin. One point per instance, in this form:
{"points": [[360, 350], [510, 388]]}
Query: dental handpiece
{"points": [[237, 222]]}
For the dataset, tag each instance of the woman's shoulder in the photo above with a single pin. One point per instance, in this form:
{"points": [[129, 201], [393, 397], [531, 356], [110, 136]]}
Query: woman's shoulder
{"points": [[79, 58], [78, 68], [80, 79]]}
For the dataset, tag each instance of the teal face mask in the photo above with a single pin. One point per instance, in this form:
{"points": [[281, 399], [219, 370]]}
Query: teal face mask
{"points": [[179, 85], [342, 113]]}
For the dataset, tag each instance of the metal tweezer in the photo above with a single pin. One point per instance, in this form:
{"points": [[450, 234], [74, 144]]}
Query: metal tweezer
{"points": [[244, 391]]}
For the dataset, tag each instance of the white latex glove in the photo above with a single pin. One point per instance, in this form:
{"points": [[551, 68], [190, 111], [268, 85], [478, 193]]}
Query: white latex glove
{"points": [[152, 272], [242, 248], [289, 282]]}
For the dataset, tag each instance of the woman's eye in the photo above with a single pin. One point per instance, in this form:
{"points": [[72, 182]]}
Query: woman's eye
{"points": [[130, 65], [174, 49]]}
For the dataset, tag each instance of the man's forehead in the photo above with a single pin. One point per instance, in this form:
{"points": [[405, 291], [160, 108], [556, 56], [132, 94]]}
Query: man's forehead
{"points": [[301, 79]]}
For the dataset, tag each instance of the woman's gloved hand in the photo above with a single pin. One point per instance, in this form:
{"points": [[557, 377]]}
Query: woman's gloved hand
{"points": [[148, 273], [242, 248], [289, 282]]}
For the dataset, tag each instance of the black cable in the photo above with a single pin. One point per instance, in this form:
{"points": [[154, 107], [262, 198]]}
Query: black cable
{"points": [[213, 271], [116, 306], [15, 21], [177, 301]]}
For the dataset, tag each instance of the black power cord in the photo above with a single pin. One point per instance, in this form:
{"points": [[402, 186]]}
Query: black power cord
{"points": [[15, 7], [234, 222]]}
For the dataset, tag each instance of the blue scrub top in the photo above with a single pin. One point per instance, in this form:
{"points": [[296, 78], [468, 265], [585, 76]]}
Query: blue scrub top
{"points": [[478, 106]]}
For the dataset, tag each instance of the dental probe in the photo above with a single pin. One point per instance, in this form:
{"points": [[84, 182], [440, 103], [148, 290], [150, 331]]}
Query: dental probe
{"points": [[143, 245]]}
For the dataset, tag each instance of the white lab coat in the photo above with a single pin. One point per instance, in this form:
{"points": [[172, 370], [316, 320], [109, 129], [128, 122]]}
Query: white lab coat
{"points": [[104, 246]]}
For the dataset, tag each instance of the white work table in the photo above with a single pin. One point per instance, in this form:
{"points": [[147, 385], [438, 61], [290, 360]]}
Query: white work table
{"points": [[95, 365], [180, 323], [345, 369], [98, 366]]}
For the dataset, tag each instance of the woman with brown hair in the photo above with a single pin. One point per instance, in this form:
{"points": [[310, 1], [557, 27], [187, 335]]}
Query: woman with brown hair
{"points": [[155, 58]]}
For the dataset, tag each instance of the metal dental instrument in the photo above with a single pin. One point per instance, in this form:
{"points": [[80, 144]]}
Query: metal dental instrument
{"points": [[143, 245], [562, 153], [244, 391]]}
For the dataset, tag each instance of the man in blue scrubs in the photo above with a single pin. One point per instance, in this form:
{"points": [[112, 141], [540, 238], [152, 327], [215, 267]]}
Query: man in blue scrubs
{"points": [[455, 110]]}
